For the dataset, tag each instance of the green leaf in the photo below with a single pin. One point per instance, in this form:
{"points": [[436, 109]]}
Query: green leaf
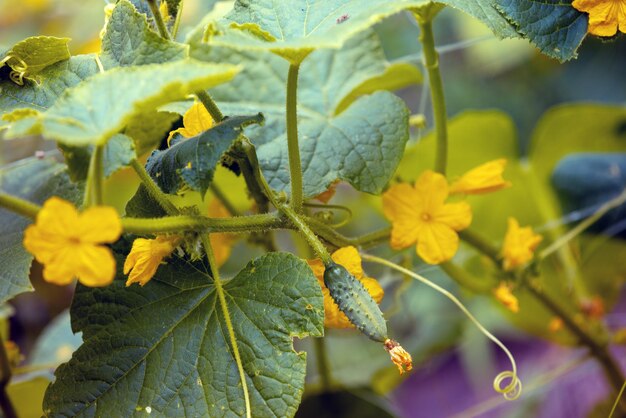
{"points": [[191, 162], [361, 144], [130, 41], [94, 111], [295, 28], [149, 129], [486, 12], [53, 81], [554, 26], [34, 54], [35, 180], [166, 345], [118, 153]]}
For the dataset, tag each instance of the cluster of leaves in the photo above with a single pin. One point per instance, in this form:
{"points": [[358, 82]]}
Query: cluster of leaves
{"points": [[165, 347]]}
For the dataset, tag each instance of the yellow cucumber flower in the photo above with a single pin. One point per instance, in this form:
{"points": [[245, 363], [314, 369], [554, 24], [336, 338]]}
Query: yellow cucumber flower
{"points": [[605, 16], [419, 214], [222, 242], [349, 258], [519, 245], [503, 294], [70, 244], [485, 178], [195, 121], [145, 257]]}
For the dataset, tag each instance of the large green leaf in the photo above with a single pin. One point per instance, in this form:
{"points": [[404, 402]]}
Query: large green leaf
{"points": [[130, 41], [166, 346], [295, 28], [34, 180], [53, 81], [361, 144], [191, 162], [93, 111], [486, 12], [554, 26], [36, 53]]}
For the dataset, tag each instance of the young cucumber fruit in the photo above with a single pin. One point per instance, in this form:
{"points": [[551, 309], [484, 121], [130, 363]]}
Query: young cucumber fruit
{"points": [[355, 302]]}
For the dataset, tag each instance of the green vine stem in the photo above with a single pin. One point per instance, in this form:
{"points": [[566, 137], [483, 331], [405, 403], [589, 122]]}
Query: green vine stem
{"points": [[323, 366], [5, 377], [241, 152], [95, 177], [431, 62], [330, 235], [158, 19], [179, 14], [170, 224], [219, 289], [153, 189], [210, 105], [19, 206], [295, 165], [481, 243], [309, 235]]}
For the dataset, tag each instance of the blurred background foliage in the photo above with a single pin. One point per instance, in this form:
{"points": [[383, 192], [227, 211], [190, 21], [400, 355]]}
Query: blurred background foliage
{"points": [[504, 100]]}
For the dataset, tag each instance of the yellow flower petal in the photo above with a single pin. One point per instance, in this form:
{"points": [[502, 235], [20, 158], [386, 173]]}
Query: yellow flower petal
{"points": [[432, 190], [437, 243], [399, 207], [145, 257], [195, 121], [605, 16], [457, 216], [99, 224], [503, 294], [519, 245], [333, 317], [67, 243], [483, 179]]}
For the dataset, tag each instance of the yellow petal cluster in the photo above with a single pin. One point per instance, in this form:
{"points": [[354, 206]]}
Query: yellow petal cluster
{"points": [[420, 215], [503, 294], [349, 258], [485, 178], [145, 257], [195, 121], [605, 16], [519, 245], [70, 244]]}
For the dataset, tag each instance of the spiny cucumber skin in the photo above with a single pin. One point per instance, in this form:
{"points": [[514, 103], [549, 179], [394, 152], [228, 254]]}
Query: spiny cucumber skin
{"points": [[355, 302]]}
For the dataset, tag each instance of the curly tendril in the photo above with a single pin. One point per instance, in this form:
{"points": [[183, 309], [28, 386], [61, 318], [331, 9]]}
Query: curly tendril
{"points": [[345, 209], [18, 72], [511, 391]]}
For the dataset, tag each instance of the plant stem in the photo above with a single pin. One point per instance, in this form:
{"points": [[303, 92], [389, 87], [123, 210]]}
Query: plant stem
{"points": [[431, 62], [240, 152], [482, 244], [179, 13], [210, 105], [308, 234], [219, 194], [219, 289], [337, 239], [19, 206], [5, 376], [183, 223], [158, 19], [153, 189], [323, 367], [295, 165], [95, 176]]}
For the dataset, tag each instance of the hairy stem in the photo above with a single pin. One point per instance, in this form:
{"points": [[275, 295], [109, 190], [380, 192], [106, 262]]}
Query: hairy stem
{"points": [[337, 239], [95, 177], [158, 19], [153, 189], [210, 105], [219, 289], [19, 206], [431, 62], [308, 234], [183, 223], [295, 165]]}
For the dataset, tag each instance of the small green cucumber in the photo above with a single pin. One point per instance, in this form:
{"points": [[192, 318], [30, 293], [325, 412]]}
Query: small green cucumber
{"points": [[355, 302]]}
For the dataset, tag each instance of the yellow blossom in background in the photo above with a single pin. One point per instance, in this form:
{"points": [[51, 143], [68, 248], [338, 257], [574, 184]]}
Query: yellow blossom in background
{"points": [[605, 16], [519, 245], [70, 244], [145, 257], [221, 242], [195, 121], [555, 324], [349, 258], [503, 294], [485, 178], [420, 215], [328, 194]]}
